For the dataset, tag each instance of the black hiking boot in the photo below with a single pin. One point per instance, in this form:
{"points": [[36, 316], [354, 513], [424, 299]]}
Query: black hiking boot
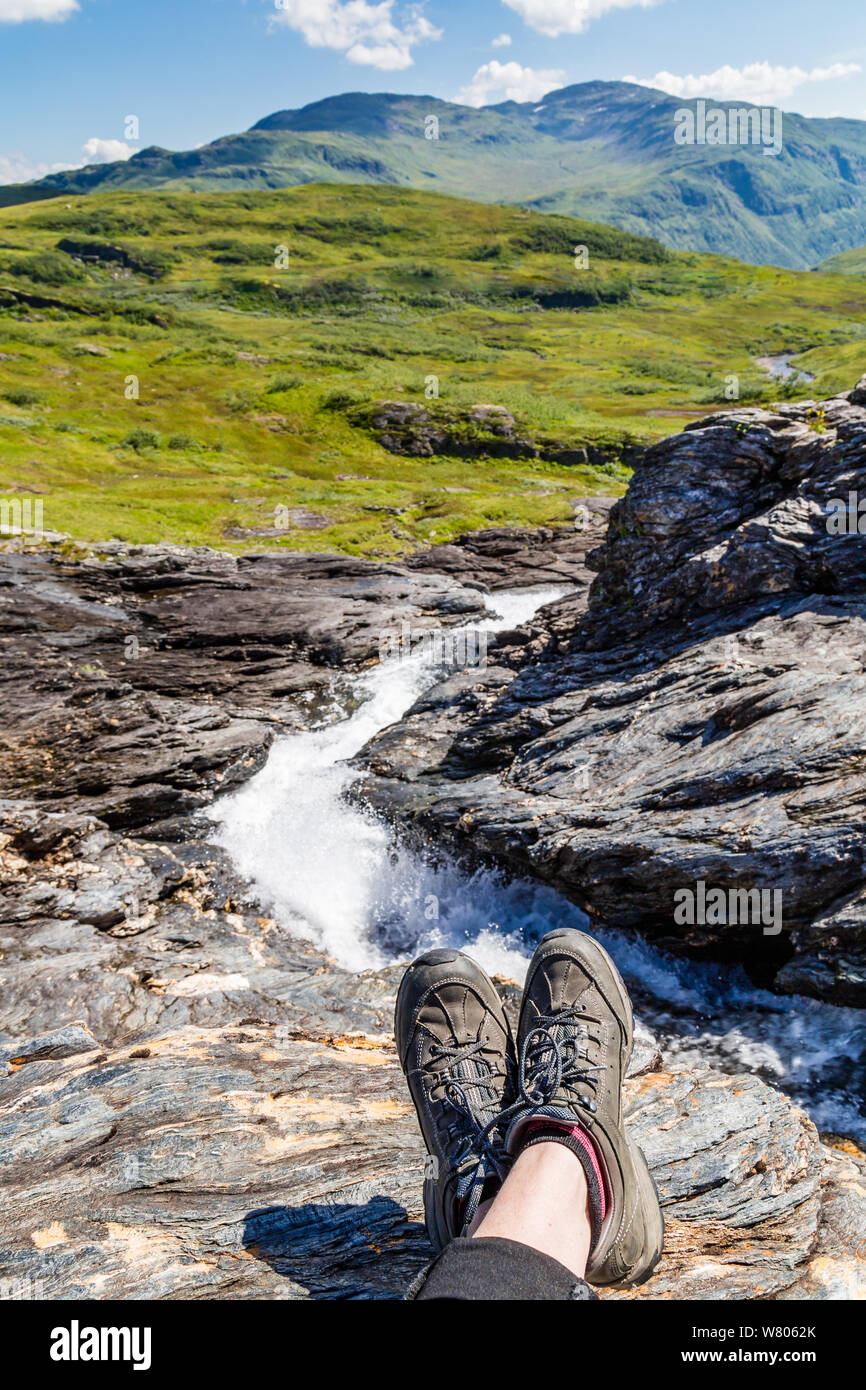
{"points": [[574, 1043], [456, 1049]]}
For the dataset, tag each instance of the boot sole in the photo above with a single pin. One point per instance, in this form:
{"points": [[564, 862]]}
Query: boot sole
{"points": [[437, 1233], [647, 1267]]}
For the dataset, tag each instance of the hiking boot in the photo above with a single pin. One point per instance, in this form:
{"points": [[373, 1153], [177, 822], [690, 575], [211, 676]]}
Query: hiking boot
{"points": [[574, 1043], [456, 1049]]}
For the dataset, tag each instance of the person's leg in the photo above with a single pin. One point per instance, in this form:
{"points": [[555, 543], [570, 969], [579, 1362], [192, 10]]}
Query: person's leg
{"points": [[492, 1269], [579, 1196], [574, 1042], [456, 1049], [544, 1202], [531, 1241]]}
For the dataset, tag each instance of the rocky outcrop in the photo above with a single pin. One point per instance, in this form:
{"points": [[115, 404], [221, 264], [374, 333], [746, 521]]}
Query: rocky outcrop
{"points": [[700, 722], [511, 557], [138, 681], [407, 428], [195, 1103], [484, 430], [256, 1159]]}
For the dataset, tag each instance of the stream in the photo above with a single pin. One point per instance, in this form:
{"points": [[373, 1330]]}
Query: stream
{"points": [[780, 367], [333, 873]]}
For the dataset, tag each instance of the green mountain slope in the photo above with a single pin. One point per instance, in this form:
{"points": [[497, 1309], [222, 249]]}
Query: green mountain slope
{"points": [[169, 372], [847, 262], [600, 150]]}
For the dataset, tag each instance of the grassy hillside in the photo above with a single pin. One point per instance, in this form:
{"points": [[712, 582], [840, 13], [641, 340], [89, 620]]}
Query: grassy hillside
{"points": [[601, 150], [256, 385], [847, 262]]}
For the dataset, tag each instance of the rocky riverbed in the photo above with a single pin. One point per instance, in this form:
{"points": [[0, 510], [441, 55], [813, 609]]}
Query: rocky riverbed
{"points": [[198, 1099]]}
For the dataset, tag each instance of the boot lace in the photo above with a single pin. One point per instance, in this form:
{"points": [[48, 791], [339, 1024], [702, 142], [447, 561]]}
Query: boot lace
{"points": [[555, 1064], [471, 1121]]}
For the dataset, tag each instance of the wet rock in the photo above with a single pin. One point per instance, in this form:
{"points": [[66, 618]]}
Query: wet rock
{"points": [[128, 937], [699, 722]]}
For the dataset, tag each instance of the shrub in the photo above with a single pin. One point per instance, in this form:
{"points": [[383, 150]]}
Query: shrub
{"points": [[487, 251], [283, 383], [18, 422], [151, 261], [340, 400], [229, 251], [48, 268], [586, 292], [560, 236], [360, 226], [141, 438]]}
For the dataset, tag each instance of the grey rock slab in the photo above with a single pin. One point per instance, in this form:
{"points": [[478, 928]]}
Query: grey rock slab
{"points": [[140, 681], [252, 1161]]}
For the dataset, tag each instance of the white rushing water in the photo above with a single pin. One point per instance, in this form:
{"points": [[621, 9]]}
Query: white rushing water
{"points": [[332, 873]]}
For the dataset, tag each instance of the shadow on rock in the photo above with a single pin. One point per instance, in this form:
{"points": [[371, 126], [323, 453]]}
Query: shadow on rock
{"points": [[368, 1250]]}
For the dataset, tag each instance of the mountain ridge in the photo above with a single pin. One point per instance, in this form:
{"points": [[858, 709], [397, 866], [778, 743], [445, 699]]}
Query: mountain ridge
{"points": [[604, 151]]}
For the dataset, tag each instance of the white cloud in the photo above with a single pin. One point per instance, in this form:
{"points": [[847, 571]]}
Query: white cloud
{"points": [[509, 82], [501, 41], [98, 151], [18, 11], [555, 17], [757, 82], [366, 33], [17, 168]]}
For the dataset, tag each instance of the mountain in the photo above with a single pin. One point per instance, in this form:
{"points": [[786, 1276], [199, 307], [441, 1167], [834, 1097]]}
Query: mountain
{"points": [[599, 150]]}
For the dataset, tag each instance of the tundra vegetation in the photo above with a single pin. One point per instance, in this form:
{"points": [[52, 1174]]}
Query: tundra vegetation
{"points": [[204, 367]]}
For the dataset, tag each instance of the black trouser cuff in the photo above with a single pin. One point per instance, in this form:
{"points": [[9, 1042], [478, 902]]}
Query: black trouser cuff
{"points": [[488, 1267]]}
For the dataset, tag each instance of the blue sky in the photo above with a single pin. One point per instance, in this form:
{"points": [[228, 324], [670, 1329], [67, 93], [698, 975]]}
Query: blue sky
{"points": [[72, 71]]}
